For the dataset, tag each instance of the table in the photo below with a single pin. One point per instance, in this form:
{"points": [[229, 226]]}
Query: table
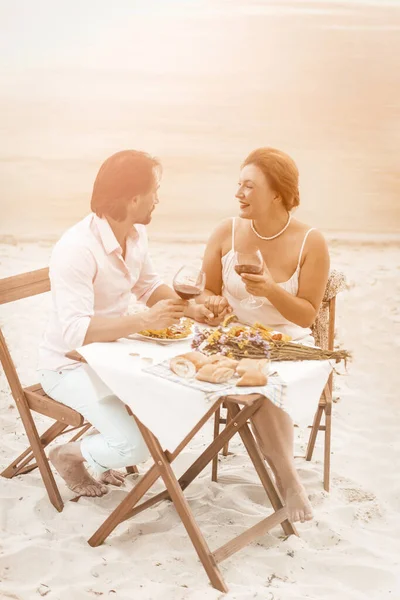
{"points": [[155, 402]]}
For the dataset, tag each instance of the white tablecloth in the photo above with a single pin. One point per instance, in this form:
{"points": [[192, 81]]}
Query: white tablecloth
{"points": [[171, 410]]}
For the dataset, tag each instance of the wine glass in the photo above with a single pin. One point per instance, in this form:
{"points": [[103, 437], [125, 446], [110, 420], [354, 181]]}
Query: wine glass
{"points": [[251, 263], [189, 282]]}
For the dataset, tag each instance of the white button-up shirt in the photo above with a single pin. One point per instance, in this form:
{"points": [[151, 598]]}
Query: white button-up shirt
{"points": [[89, 276]]}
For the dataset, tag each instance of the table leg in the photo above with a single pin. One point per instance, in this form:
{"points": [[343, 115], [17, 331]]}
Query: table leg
{"points": [[131, 499], [200, 463], [258, 461], [226, 434], [183, 510]]}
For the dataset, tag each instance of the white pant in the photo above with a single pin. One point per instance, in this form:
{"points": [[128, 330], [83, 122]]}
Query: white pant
{"points": [[119, 442]]}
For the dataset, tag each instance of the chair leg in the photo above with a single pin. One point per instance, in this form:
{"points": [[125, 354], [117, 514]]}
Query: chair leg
{"points": [[21, 465], [314, 432], [327, 449], [214, 472], [39, 454]]}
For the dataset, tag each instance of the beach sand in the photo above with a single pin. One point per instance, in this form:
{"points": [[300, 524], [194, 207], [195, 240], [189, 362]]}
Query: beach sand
{"points": [[350, 551]]}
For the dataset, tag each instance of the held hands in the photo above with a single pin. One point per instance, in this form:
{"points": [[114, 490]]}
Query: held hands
{"points": [[202, 313], [168, 312], [258, 285], [165, 313], [219, 308]]}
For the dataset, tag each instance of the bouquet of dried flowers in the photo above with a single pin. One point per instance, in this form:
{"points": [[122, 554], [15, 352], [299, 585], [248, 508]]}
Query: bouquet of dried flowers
{"points": [[257, 341]]}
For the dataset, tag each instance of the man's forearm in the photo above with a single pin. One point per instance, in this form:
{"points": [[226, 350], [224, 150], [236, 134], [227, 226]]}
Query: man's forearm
{"points": [[162, 292], [109, 329]]}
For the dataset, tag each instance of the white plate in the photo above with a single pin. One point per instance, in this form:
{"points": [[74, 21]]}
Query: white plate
{"points": [[148, 338]]}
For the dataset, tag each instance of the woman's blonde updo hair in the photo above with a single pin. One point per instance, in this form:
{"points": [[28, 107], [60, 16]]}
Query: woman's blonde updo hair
{"points": [[281, 172]]}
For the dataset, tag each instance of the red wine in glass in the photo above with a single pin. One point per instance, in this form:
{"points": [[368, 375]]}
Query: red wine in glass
{"points": [[251, 263], [189, 282], [251, 269], [187, 292]]}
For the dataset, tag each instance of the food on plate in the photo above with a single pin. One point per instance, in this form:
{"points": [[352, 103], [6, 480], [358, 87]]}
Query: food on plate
{"points": [[228, 320], [197, 358], [252, 378], [174, 332], [253, 364], [182, 367], [214, 373]]}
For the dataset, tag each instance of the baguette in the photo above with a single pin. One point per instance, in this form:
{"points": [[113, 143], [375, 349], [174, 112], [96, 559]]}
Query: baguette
{"points": [[214, 373], [182, 367], [197, 358], [253, 364], [227, 362], [252, 378]]}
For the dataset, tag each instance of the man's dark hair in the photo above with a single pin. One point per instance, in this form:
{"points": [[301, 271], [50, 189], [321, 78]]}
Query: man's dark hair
{"points": [[121, 177]]}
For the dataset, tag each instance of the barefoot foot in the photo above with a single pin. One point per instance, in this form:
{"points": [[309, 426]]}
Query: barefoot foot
{"points": [[298, 505], [112, 477], [70, 467]]}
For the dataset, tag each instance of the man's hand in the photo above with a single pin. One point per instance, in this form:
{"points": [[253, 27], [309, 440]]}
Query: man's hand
{"points": [[164, 314], [258, 285]]}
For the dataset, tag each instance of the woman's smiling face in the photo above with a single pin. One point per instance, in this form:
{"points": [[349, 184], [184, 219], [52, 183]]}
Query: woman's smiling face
{"points": [[254, 193]]}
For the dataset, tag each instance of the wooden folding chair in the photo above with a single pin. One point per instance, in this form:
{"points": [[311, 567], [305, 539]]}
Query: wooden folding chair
{"points": [[324, 335], [33, 399]]}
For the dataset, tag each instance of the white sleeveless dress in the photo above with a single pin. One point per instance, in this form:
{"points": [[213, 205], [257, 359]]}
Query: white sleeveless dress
{"points": [[234, 291]]}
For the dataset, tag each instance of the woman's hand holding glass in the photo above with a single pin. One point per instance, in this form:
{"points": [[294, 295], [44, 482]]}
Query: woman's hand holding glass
{"points": [[258, 284]]}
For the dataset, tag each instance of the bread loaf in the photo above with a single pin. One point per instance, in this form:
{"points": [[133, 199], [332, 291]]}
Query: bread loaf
{"points": [[253, 364], [197, 358], [182, 367], [252, 377], [214, 373]]}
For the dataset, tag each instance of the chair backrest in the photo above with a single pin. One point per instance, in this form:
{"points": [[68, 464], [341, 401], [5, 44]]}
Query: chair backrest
{"points": [[331, 322], [324, 326], [16, 288], [24, 285]]}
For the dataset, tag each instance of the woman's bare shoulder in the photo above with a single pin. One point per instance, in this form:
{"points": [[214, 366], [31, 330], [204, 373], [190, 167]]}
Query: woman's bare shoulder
{"points": [[315, 237], [221, 231]]}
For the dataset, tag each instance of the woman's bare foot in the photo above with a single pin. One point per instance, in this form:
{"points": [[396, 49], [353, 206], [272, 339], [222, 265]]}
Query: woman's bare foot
{"points": [[297, 504], [70, 466], [112, 477]]}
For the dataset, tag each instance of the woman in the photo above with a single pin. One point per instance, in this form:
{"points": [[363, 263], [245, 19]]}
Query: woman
{"points": [[292, 284]]}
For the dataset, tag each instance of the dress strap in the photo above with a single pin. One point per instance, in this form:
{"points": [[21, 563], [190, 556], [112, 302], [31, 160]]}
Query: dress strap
{"points": [[302, 246], [233, 233]]}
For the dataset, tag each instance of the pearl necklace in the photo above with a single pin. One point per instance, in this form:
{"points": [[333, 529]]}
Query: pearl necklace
{"points": [[274, 236]]}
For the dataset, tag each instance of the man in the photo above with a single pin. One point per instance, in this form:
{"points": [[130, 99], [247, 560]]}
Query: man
{"points": [[94, 268]]}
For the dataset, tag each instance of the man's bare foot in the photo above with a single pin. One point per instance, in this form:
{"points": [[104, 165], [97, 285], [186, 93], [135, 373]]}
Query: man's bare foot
{"points": [[297, 504], [112, 477], [68, 464]]}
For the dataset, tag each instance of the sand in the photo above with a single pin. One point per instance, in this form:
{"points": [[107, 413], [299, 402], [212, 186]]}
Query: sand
{"points": [[350, 551]]}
